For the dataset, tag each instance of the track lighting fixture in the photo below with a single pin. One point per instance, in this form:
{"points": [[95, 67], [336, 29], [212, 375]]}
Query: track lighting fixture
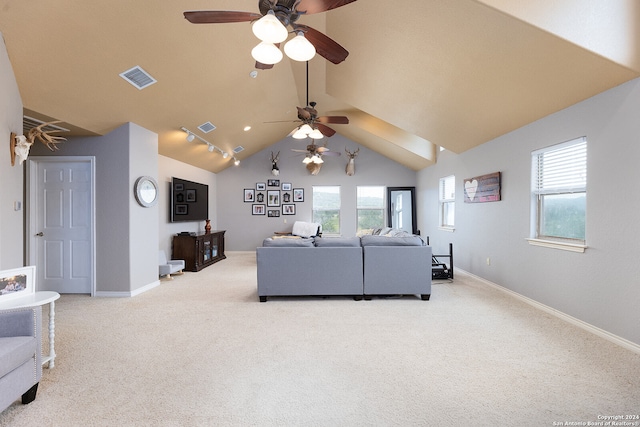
{"points": [[210, 147]]}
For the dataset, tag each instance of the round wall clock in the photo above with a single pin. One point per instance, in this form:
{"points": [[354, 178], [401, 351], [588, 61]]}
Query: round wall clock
{"points": [[146, 191]]}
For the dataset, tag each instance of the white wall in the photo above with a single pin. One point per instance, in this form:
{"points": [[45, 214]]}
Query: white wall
{"points": [[246, 231], [168, 168], [11, 188], [602, 285]]}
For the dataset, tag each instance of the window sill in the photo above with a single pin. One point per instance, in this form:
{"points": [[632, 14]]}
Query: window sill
{"points": [[449, 229], [572, 247]]}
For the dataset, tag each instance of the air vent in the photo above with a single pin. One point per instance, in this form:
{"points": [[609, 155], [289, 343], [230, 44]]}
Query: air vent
{"points": [[207, 127], [238, 149], [29, 123], [138, 77]]}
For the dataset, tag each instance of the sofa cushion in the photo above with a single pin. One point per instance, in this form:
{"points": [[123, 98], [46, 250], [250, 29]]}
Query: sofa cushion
{"points": [[329, 242], [288, 242], [373, 240], [14, 351]]}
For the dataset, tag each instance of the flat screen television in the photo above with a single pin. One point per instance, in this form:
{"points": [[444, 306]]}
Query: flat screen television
{"points": [[189, 201]]}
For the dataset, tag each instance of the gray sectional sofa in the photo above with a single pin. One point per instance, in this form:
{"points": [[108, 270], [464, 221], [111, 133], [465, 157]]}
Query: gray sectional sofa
{"points": [[372, 265], [20, 354]]}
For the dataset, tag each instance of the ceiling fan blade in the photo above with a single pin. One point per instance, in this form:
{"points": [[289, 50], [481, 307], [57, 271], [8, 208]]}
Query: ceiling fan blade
{"points": [[303, 114], [326, 130], [331, 153], [298, 151], [219, 16], [336, 120], [261, 66], [325, 46], [316, 6]]}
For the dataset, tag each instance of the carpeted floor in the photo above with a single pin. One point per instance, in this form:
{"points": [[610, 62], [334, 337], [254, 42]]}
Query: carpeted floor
{"points": [[200, 350]]}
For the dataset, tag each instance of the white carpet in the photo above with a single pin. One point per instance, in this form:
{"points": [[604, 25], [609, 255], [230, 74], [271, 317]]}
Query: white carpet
{"points": [[202, 351]]}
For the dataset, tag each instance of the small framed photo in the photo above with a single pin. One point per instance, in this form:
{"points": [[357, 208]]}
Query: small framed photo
{"points": [[249, 195], [260, 197], [273, 182], [191, 195], [298, 194], [289, 209], [181, 209], [17, 282], [274, 213], [286, 197], [178, 187], [286, 186], [273, 197], [261, 186], [258, 210]]}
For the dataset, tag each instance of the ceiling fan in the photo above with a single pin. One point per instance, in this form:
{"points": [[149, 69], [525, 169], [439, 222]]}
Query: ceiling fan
{"points": [[313, 158], [274, 31], [314, 126]]}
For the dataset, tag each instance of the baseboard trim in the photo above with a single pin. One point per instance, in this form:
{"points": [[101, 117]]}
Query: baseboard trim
{"points": [[127, 294], [622, 342]]}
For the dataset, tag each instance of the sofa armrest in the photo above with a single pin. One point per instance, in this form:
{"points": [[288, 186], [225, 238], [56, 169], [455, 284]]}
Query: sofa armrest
{"points": [[18, 322]]}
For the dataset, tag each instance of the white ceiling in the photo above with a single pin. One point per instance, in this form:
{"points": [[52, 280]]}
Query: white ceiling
{"points": [[420, 74]]}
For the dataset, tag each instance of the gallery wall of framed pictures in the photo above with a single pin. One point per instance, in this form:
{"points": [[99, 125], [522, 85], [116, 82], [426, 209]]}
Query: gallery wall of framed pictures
{"points": [[273, 198]]}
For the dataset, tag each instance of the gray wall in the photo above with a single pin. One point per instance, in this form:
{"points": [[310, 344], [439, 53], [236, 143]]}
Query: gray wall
{"points": [[126, 233], [169, 168], [11, 190], [602, 285], [246, 231]]}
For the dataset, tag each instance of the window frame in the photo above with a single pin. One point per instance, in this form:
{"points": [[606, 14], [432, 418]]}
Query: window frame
{"points": [[382, 208], [564, 156], [313, 209], [446, 202]]}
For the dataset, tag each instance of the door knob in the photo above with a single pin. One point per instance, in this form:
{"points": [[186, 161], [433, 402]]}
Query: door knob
{"points": [[40, 234]]}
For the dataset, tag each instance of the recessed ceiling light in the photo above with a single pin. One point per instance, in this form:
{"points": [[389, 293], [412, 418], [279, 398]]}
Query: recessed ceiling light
{"points": [[247, 128]]}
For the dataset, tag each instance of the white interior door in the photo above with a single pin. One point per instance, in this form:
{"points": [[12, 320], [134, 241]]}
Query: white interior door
{"points": [[61, 218]]}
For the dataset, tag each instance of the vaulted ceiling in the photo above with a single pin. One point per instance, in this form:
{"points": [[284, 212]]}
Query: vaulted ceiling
{"points": [[420, 73]]}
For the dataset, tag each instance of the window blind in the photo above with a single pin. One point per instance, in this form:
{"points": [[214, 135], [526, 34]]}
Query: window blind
{"points": [[561, 168], [448, 188]]}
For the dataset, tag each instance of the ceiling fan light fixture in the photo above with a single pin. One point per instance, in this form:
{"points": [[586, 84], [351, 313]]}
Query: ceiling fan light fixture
{"points": [[299, 48], [299, 134], [307, 160], [316, 134], [306, 129], [266, 53], [317, 159], [269, 29]]}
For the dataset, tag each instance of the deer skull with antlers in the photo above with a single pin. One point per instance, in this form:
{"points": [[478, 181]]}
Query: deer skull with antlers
{"points": [[21, 144], [351, 164], [275, 171]]}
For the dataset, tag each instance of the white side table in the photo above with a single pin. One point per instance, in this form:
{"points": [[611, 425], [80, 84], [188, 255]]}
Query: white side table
{"points": [[40, 298]]}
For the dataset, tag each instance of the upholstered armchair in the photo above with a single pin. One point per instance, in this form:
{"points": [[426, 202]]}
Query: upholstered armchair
{"points": [[20, 354]]}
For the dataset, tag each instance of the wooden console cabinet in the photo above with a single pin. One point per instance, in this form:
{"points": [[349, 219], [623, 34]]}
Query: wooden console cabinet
{"points": [[200, 250]]}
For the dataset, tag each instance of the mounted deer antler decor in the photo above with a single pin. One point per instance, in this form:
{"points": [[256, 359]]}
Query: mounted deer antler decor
{"points": [[20, 144], [275, 171], [351, 164]]}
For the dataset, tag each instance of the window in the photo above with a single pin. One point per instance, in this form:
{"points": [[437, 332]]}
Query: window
{"points": [[370, 207], [447, 201], [559, 192], [326, 208]]}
